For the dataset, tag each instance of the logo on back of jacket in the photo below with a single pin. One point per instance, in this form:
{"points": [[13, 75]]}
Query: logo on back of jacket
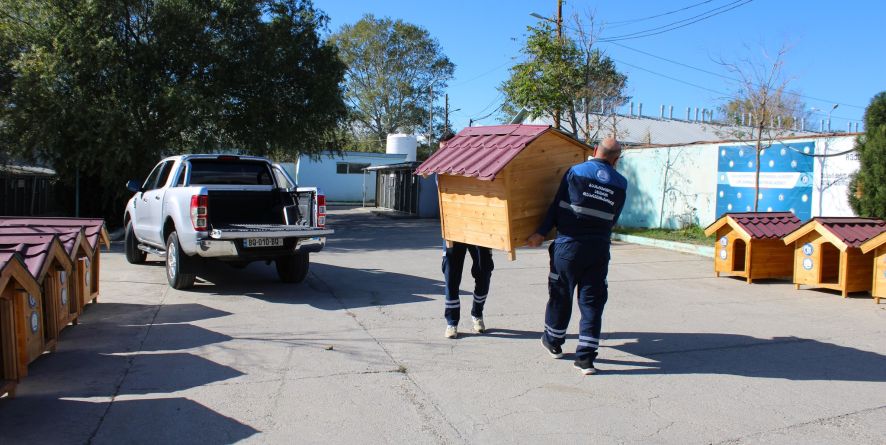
{"points": [[602, 176]]}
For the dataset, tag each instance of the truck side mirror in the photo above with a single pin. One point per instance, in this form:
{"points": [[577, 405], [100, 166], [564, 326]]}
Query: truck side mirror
{"points": [[133, 186]]}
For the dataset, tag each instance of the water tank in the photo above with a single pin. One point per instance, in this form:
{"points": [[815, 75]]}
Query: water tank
{"points": [[402, 144]]}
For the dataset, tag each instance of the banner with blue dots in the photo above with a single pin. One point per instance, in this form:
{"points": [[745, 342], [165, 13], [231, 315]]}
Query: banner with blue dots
{"points": [[785, 179]]}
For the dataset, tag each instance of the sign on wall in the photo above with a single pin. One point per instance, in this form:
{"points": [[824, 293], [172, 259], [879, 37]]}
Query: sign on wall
{"points": [[785, 179]]}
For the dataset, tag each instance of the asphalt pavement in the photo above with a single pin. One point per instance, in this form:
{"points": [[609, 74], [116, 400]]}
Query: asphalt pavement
{"points": [[356, 354]]}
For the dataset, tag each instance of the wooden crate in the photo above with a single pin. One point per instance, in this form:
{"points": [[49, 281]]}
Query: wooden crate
{"points": [[502, 213], [877, 247]]}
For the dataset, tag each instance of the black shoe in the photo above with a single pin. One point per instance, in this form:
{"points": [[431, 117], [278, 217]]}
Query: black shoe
{"points": [[586, 366], [555, 351]]}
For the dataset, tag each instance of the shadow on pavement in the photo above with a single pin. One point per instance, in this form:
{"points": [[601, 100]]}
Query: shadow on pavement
{"points": [[790, 358], [327, 287], [116, 351]]}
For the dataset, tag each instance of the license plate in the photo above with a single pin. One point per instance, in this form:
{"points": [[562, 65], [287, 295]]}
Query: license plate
{"points": [[262, 242]]}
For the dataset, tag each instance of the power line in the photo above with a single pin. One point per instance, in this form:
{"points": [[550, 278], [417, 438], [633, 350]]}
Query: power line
{"points": [[708, 89], [725, 76], [485, 73], [497, 98], [627, 22], [647, 32], [671, 78]]}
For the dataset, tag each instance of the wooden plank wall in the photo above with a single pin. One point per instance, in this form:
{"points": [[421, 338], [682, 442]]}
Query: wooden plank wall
{"points": [[879, 284], [771, 259], [473, 211], [859, 268], [533, 178]]}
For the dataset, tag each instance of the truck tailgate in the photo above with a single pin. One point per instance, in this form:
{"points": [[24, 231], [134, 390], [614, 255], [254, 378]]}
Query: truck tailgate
{"points": [[240, 231]]}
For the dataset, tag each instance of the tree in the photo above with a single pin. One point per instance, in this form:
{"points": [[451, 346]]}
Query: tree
{"points": [[101, 90], [762, 94], [867, 189], [565, 79], [394, 69]]}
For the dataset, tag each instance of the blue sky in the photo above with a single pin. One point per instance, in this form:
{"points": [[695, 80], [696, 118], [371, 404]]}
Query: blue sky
{"points": [[834, 57]]}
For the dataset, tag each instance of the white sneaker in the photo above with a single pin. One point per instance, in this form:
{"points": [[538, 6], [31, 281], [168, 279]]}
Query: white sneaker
{"points": [[479, 326], [451, 332]]}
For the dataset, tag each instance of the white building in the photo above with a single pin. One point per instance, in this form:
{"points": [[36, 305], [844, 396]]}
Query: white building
{"points": [[340, 177]]}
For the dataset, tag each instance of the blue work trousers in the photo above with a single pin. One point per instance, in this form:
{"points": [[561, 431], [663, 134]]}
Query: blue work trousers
{"points": [[481, 270], [583, 265]]}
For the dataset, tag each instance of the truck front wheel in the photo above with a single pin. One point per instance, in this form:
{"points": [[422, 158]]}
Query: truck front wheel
{"points": [[293, 268], [178, 275], [133, 254]]}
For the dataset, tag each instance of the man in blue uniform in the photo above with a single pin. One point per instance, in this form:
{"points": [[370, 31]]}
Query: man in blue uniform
{"points": [[481, 270], [586, 207]]}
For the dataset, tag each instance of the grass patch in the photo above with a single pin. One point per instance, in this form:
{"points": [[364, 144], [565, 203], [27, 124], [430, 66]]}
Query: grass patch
{"points": [[691, 235]]}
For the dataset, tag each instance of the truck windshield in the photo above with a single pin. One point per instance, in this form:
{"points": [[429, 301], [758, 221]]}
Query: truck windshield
{"points": [[239, 172]]}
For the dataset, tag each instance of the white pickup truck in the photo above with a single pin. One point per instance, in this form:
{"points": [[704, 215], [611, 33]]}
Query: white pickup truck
{"points": [[235, 209]]}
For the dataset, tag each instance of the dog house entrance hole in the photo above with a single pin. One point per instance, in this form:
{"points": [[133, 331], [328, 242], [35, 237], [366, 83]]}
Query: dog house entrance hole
{"points": [[738, 255]]}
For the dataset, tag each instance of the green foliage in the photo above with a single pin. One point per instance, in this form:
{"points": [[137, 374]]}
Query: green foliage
{"points": [[691, 234], [563, 79], [867, 189], [106, 88], [391, 67]]}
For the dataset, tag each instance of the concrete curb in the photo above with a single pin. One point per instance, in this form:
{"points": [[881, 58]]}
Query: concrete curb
{"points": [[705, 251]]}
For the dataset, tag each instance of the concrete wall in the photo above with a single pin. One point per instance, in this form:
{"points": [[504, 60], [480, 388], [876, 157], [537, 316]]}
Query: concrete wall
{"points": [[689, 193], [340, 187]]}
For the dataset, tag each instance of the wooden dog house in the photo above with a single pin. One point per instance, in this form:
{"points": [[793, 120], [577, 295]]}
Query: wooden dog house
{"points": [[877, 246], [61, 300], [495, 183], [86, 255], [749, 244], [14, 279], [46, 261], [827, 253]]}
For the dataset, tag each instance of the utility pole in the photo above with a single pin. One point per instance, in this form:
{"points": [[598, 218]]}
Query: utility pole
{"points": [[430, 115], [446, 108]]}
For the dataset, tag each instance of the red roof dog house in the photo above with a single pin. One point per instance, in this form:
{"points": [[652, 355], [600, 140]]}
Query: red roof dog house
{"points": [[749, 244], [827, 253], [16, 283], [877, 246]]}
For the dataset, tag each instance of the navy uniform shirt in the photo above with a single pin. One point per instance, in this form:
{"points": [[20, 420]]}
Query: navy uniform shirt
{"points": [[588, 203]]}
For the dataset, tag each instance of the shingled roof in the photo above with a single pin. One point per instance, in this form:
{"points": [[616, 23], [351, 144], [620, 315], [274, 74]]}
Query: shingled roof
{"points": [[33, 249], [481, 152], [93, 228], [842, 232], [68, 236], [759, 225], [853, 231]]}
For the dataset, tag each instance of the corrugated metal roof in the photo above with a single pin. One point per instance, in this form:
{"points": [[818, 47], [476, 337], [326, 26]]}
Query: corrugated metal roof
{"points": [[92, 227], [647, 130], [481, 152], [33, 249], [767, 225], [853, 231]]}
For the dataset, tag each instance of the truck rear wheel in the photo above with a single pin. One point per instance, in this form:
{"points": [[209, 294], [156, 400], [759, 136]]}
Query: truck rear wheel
{"points": [[293, 268], [133, 254], [176, 270]]}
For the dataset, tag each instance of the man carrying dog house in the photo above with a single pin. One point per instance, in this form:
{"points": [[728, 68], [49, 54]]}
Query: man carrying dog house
{"points": [[584, 210]]}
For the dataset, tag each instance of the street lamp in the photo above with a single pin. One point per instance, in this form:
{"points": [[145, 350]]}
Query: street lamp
{"points": [[829, 116]]}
